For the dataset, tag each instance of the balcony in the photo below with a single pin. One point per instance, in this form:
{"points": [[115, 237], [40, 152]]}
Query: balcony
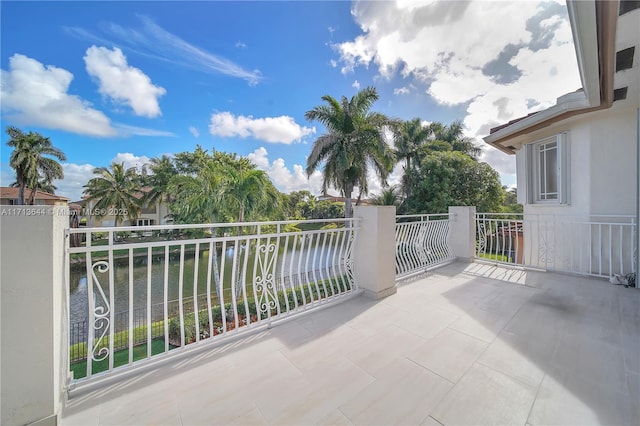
{"points": [[374, 320], [464, 344]]}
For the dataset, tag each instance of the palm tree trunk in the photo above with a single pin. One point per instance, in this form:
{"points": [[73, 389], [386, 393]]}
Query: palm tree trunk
{"points": [[348, 211], [22, 186], [32, 196]]}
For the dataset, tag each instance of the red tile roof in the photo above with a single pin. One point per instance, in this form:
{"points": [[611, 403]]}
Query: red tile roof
{"points": [[11, 193]]}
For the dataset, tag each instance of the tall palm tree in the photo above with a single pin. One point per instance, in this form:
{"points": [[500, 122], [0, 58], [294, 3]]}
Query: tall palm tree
{"points": [[250, 191], [354, 143], [157, 182], [454, 135], [31, 159], [409, 136], [116, 190]]}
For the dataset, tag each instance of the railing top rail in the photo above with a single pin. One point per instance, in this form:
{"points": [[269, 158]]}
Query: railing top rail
{"points": [[422, 216], [206, 225], [624, 216], [200, 240]]}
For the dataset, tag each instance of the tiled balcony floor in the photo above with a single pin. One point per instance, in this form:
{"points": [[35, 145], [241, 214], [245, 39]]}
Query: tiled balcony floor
{"points": [[468, 344]]}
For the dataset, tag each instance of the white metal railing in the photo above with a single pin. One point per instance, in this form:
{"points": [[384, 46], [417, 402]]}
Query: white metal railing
{"points": [[597, 245], [186, 285], [422, 243]]}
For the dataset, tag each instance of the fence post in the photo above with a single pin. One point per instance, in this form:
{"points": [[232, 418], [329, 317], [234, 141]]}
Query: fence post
{"points": [[463, 232], [34, 339], [374, 250]]}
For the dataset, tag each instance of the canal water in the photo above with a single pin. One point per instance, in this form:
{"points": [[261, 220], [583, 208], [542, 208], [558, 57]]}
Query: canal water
{"points": [[295, 260]]}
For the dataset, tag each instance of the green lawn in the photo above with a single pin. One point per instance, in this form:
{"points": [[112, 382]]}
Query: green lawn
{"points": [[121, 357], [496, 257]]}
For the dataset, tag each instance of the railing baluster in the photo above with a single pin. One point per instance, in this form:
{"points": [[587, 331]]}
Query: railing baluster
{"points": [[149, 318], [131, 313]]}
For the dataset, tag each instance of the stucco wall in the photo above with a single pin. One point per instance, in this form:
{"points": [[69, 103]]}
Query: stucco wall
{"points": [[613, 164], [603, 164], [33, 315]]}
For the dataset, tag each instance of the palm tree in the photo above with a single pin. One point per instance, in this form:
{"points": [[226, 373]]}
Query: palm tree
{"points": [[157, 183], [388, 197], [409, 136], [250, 191], [454, 135], [31, 161], [116, 190], [353, 144]]}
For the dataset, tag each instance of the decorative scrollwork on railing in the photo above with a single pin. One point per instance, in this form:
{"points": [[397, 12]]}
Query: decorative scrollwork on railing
{"points": [[265, 283], [348, 258], [101, 321]]}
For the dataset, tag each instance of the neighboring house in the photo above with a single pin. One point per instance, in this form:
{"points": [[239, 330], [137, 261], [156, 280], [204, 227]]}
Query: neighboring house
{"points": [[579, 158], [9, 196], [157, 214]]}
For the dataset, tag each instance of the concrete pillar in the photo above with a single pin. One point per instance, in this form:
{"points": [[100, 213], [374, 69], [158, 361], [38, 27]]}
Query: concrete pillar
{"points": [[463, 232], [374, 250], [33, 340]]}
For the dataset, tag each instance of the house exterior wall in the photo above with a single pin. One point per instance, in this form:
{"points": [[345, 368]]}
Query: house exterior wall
{"points": [[603, 165], [603, 175], [93, 220]]}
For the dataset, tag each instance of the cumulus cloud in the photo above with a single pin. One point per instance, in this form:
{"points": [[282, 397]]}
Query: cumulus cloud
{"points": [[401, 91], [284, 178], [131, 160], [37, 95], [195, 132], [356, 85], [75, 177], [123, 83], [281, 129], [499, 73]]}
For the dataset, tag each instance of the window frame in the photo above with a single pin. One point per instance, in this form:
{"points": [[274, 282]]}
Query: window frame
{"points": [[534, 163]]}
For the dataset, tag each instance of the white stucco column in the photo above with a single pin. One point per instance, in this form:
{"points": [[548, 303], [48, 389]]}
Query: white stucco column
{"points": [[33, 344], [463, 232], [374, 250]]}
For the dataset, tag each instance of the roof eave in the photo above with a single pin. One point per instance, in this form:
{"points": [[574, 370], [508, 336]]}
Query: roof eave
{"points": [[592, 23]]}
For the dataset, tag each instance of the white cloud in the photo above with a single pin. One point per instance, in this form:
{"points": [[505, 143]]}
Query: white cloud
{"points": [[194, 131], [356, 85], [154, 41], [459, 55], [75, 177], [37, 95], [401, 91], [281, 129], [123, 83], [285, 179], [126, 130], [259, 158], [131, 160], [241, 45]]}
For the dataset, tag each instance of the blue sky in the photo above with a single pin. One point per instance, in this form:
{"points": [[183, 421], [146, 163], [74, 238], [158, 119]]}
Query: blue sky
{"points": [[127, 81]]}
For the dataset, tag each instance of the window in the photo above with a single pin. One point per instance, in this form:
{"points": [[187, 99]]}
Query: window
{"points": [[548, 180], [144, 222]]}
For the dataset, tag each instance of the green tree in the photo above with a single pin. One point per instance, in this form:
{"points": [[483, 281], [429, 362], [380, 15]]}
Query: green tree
{"points": [[409, 136], [446, 179], [250, 192], [453, 134], [511, 204], [116, 189], [157, 182], [32, 162], [353, 144], [388, 197]]}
